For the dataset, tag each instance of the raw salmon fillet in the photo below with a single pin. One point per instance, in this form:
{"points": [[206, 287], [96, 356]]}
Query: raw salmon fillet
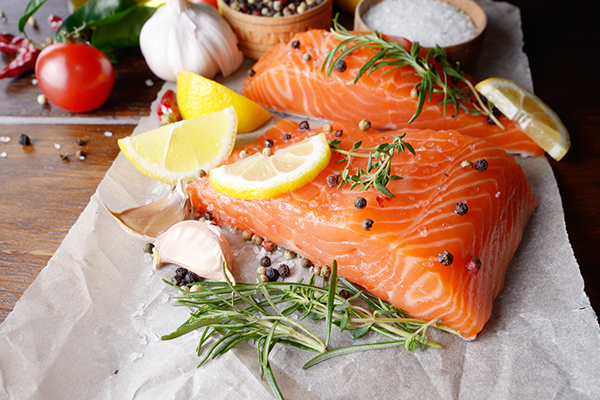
{"points": [[397, 260], [284, 81]]}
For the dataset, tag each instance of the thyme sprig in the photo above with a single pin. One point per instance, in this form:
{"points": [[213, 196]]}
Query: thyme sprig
{"points": [[379, 167], [392, 54], [262, 312]]}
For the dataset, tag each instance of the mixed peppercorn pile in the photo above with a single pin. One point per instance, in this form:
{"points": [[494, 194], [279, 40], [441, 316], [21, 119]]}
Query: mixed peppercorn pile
{"points": [[270, 8]]}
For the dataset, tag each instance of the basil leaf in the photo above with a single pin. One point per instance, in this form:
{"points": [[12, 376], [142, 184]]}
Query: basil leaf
{"points": [[124, 31], [31, 8]]}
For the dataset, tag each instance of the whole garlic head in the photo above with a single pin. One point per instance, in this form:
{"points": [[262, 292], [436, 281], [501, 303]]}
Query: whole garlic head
{"points": [[191, 37], [198, 246]]}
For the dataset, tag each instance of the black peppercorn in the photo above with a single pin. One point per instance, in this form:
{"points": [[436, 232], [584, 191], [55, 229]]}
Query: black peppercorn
{"points": [[340, 66], [303, 125], [339, 133], [80, 142], [268, 143], [474, 264], [454, 80], [251, 73], [284, 270], [367, 224], [265, 261], [287, 137], [295, 44], [177, 280], [192, 277], [272, 274], [306, 263], [208, 216], [181, 272], [481, 165], [360, 202], [24, 140], [332, 180], [148, 247], [461, 208], [445, 258]]}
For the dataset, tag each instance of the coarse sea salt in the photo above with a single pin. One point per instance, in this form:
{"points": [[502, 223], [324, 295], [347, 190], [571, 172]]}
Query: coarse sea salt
{"points": [[428, 22]]}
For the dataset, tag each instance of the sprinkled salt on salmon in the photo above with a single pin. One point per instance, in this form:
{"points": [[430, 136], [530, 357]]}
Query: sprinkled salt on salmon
{"points": [[399, 258], [284, 80]]}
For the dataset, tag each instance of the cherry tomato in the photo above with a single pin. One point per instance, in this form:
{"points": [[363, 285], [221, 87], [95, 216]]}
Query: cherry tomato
{"points": [[74, 76]]}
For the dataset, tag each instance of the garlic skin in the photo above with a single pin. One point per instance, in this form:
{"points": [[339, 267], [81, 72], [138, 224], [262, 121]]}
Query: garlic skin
{"points": [[150, 220], [198, 246], [191, 37]]}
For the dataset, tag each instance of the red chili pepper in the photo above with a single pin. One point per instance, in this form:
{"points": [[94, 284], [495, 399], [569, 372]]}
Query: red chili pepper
{"points": [[168, 111], [27, 55], [54, 21]]}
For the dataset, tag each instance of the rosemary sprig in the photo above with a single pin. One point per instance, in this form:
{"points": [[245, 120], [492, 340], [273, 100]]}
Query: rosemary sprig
{"points": [[261, 312], [392, 54], [379, 168]]}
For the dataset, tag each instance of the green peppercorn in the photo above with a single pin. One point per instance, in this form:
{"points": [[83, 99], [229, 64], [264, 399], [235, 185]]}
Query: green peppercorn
{"points": [[364, 124]]}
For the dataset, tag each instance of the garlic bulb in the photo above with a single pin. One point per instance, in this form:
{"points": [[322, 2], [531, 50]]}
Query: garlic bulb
{"points": [[198, 246], [150, 220], [190, 37]]}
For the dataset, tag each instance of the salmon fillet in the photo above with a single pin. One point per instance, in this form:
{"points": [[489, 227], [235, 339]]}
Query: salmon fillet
{"points": [[284, 81], [397, 259]]}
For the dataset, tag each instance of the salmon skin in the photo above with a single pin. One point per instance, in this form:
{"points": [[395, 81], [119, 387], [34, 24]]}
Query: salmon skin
{"points": [[284, 81], [397, 259]]}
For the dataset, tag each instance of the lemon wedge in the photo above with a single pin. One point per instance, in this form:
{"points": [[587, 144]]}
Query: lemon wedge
{"points": [[181, 149], [197, 95], [262, 177], [533, 115]]}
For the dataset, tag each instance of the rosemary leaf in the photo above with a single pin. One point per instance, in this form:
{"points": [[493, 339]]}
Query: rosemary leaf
{"points": [[342, 351]]}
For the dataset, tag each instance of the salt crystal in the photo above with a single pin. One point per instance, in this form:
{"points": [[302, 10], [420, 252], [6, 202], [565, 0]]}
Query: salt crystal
{"points": [[428, 22], [3, 154], [149, 82], [4, 139], [498, 194], [108, 133], [34, 81], [57, 146]]}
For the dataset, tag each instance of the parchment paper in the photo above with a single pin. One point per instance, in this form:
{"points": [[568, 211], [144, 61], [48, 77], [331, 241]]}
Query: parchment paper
{"points": [[89, 325]]}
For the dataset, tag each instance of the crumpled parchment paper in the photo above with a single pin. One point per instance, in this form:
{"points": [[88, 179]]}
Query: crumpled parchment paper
{"points": [[89, 325]]}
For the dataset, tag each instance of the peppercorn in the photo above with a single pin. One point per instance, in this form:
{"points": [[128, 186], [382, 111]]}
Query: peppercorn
{"points": [[325, 271], [208, 216], [201, 173], [295, 44], [257, 240], [364, 124], [181, 272], [41, 99], [339, 133], [454, 80], [284, 270], [466, 163], [264, 278], [191, 277], [272, 274], [251, 73], [332, 180], [461, 208], [243, 154], [474, 264], [367, 224], [184, 288], [261, 270], [177, 280], [327, 128], [80, 154], [265, 261], [287, 137], [414, 93], [80, 142], [267, 152], [195, 288], [148, 247], [303, 125], [24, 140], [268, 143], [306, 57], [481, 165], [317, 270], [445, 258], [360, 203], [345, 294], [289, 254], [340, 66], [306, 263], [246, 235]]}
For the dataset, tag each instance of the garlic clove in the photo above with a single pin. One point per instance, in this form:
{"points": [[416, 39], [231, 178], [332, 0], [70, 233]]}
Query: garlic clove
{"points": [[198, 246], [150, 220]]}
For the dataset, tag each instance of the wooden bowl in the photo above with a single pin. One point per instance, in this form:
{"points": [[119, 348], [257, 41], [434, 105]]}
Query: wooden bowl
{"points": [[467, 52], [258, 34]]}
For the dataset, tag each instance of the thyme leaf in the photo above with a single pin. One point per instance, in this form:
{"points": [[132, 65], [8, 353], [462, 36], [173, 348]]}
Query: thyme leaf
{"points": [[230, 315], [433, 80], [379, 167]]}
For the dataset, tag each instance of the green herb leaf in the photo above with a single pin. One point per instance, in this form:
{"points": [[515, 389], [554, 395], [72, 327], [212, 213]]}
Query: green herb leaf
{"points": [[30, 9]]}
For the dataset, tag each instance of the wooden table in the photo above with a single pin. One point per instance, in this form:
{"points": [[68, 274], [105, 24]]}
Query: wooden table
{"points": [[42, 195]]}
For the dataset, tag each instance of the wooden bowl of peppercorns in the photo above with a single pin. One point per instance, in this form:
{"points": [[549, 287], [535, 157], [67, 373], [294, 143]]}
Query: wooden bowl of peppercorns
{"points": [[261, 24]]}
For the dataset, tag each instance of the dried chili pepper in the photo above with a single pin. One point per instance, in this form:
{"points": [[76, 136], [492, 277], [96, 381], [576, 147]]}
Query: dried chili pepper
{"points": [[27, 55], [54, 21], [168, 111]]}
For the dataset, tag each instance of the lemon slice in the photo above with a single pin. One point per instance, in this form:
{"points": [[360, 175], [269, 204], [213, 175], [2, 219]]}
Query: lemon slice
{"points": [[263, 177], [197, 95], [533, 115], [181, 149]]}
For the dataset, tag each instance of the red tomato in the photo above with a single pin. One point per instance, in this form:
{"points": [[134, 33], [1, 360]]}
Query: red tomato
{"points": [[74, 76], [211, 2]]}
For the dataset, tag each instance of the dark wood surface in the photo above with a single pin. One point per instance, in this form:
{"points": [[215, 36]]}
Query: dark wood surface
{"points": [[42, 195]]}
